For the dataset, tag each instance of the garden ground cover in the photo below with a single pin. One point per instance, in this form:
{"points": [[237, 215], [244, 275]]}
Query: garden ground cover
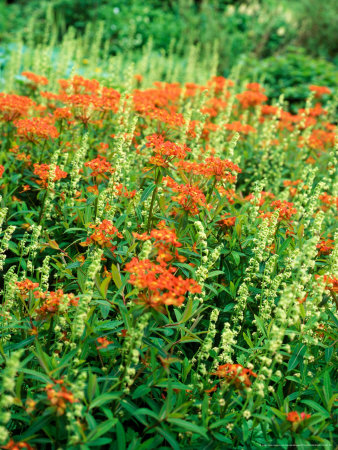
{"points": [[168, 256]]}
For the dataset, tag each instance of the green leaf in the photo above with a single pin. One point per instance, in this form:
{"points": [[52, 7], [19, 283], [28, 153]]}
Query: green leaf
{"points": [[278, 413], [121, 437], [302, 444], [104, 287], [140, 391], [327, 388], [222, 422], [317, 407], [34, 375], [116, 276], [170, 439], [101, 429], [104, 398], [328, 354], [297, 356], [236, 258], [189, 426], [147, 192]]}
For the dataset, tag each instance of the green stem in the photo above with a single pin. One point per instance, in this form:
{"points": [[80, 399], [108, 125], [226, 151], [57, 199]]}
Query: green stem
{"points": [[157, 180]]}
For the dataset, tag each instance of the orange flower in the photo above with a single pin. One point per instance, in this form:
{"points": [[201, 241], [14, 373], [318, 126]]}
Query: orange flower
{"points": [[99, 166], [330, 280], [325, 247], [220, 83], [189, 197], [294, 416], [62, 113], [226, 222], [26, 286], [240, 127], [36, 127], [42, 171], [53, 300], [2, 169], [161, 286], [14, 106], [221, 169], [123, 192], [286, 209], [235, 373], [35, 79], [59, 398], [253, 96], [319, 90], [103, 343], [30, 405], [12, 445], [94, 189], [165, 151], [103, 234], [138, 77]]}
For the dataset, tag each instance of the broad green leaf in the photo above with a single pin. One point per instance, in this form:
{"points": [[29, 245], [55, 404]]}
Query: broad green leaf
{"points": [[317, 407], [116, 276], [104, 398], [189, 426]]}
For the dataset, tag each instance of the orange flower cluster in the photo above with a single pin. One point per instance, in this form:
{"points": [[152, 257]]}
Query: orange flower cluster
{"points": [[2, 170], [160, 285], [221, 169], [219, 84], [292, 186], [99, 166], [12, 445], [321, 139], [14, 106], [80, 85], [58, 397], [236, 374], [42, 171], [240, 127], [122, 191], [165, 151], [286, 209], [36, 127], [330, 280], [164, 238], [328, 200], [269, 110], [26, 286], [62, 113], [325, 247], [213, 106], [83, 97], [157, 104], [103, 235], [35, 79], [189, 197], [253, 96], [103, 341], [319, 90], [53, 300], [295, 417], [226, 222]]}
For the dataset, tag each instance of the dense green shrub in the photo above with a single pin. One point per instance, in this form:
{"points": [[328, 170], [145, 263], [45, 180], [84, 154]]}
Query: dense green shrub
{"points": [[318, 30], [291, 74]]}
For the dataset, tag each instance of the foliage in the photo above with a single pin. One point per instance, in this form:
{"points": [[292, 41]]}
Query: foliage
{"points": [[240, 27], [290, 74], [168, 253], [318, 31]]}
